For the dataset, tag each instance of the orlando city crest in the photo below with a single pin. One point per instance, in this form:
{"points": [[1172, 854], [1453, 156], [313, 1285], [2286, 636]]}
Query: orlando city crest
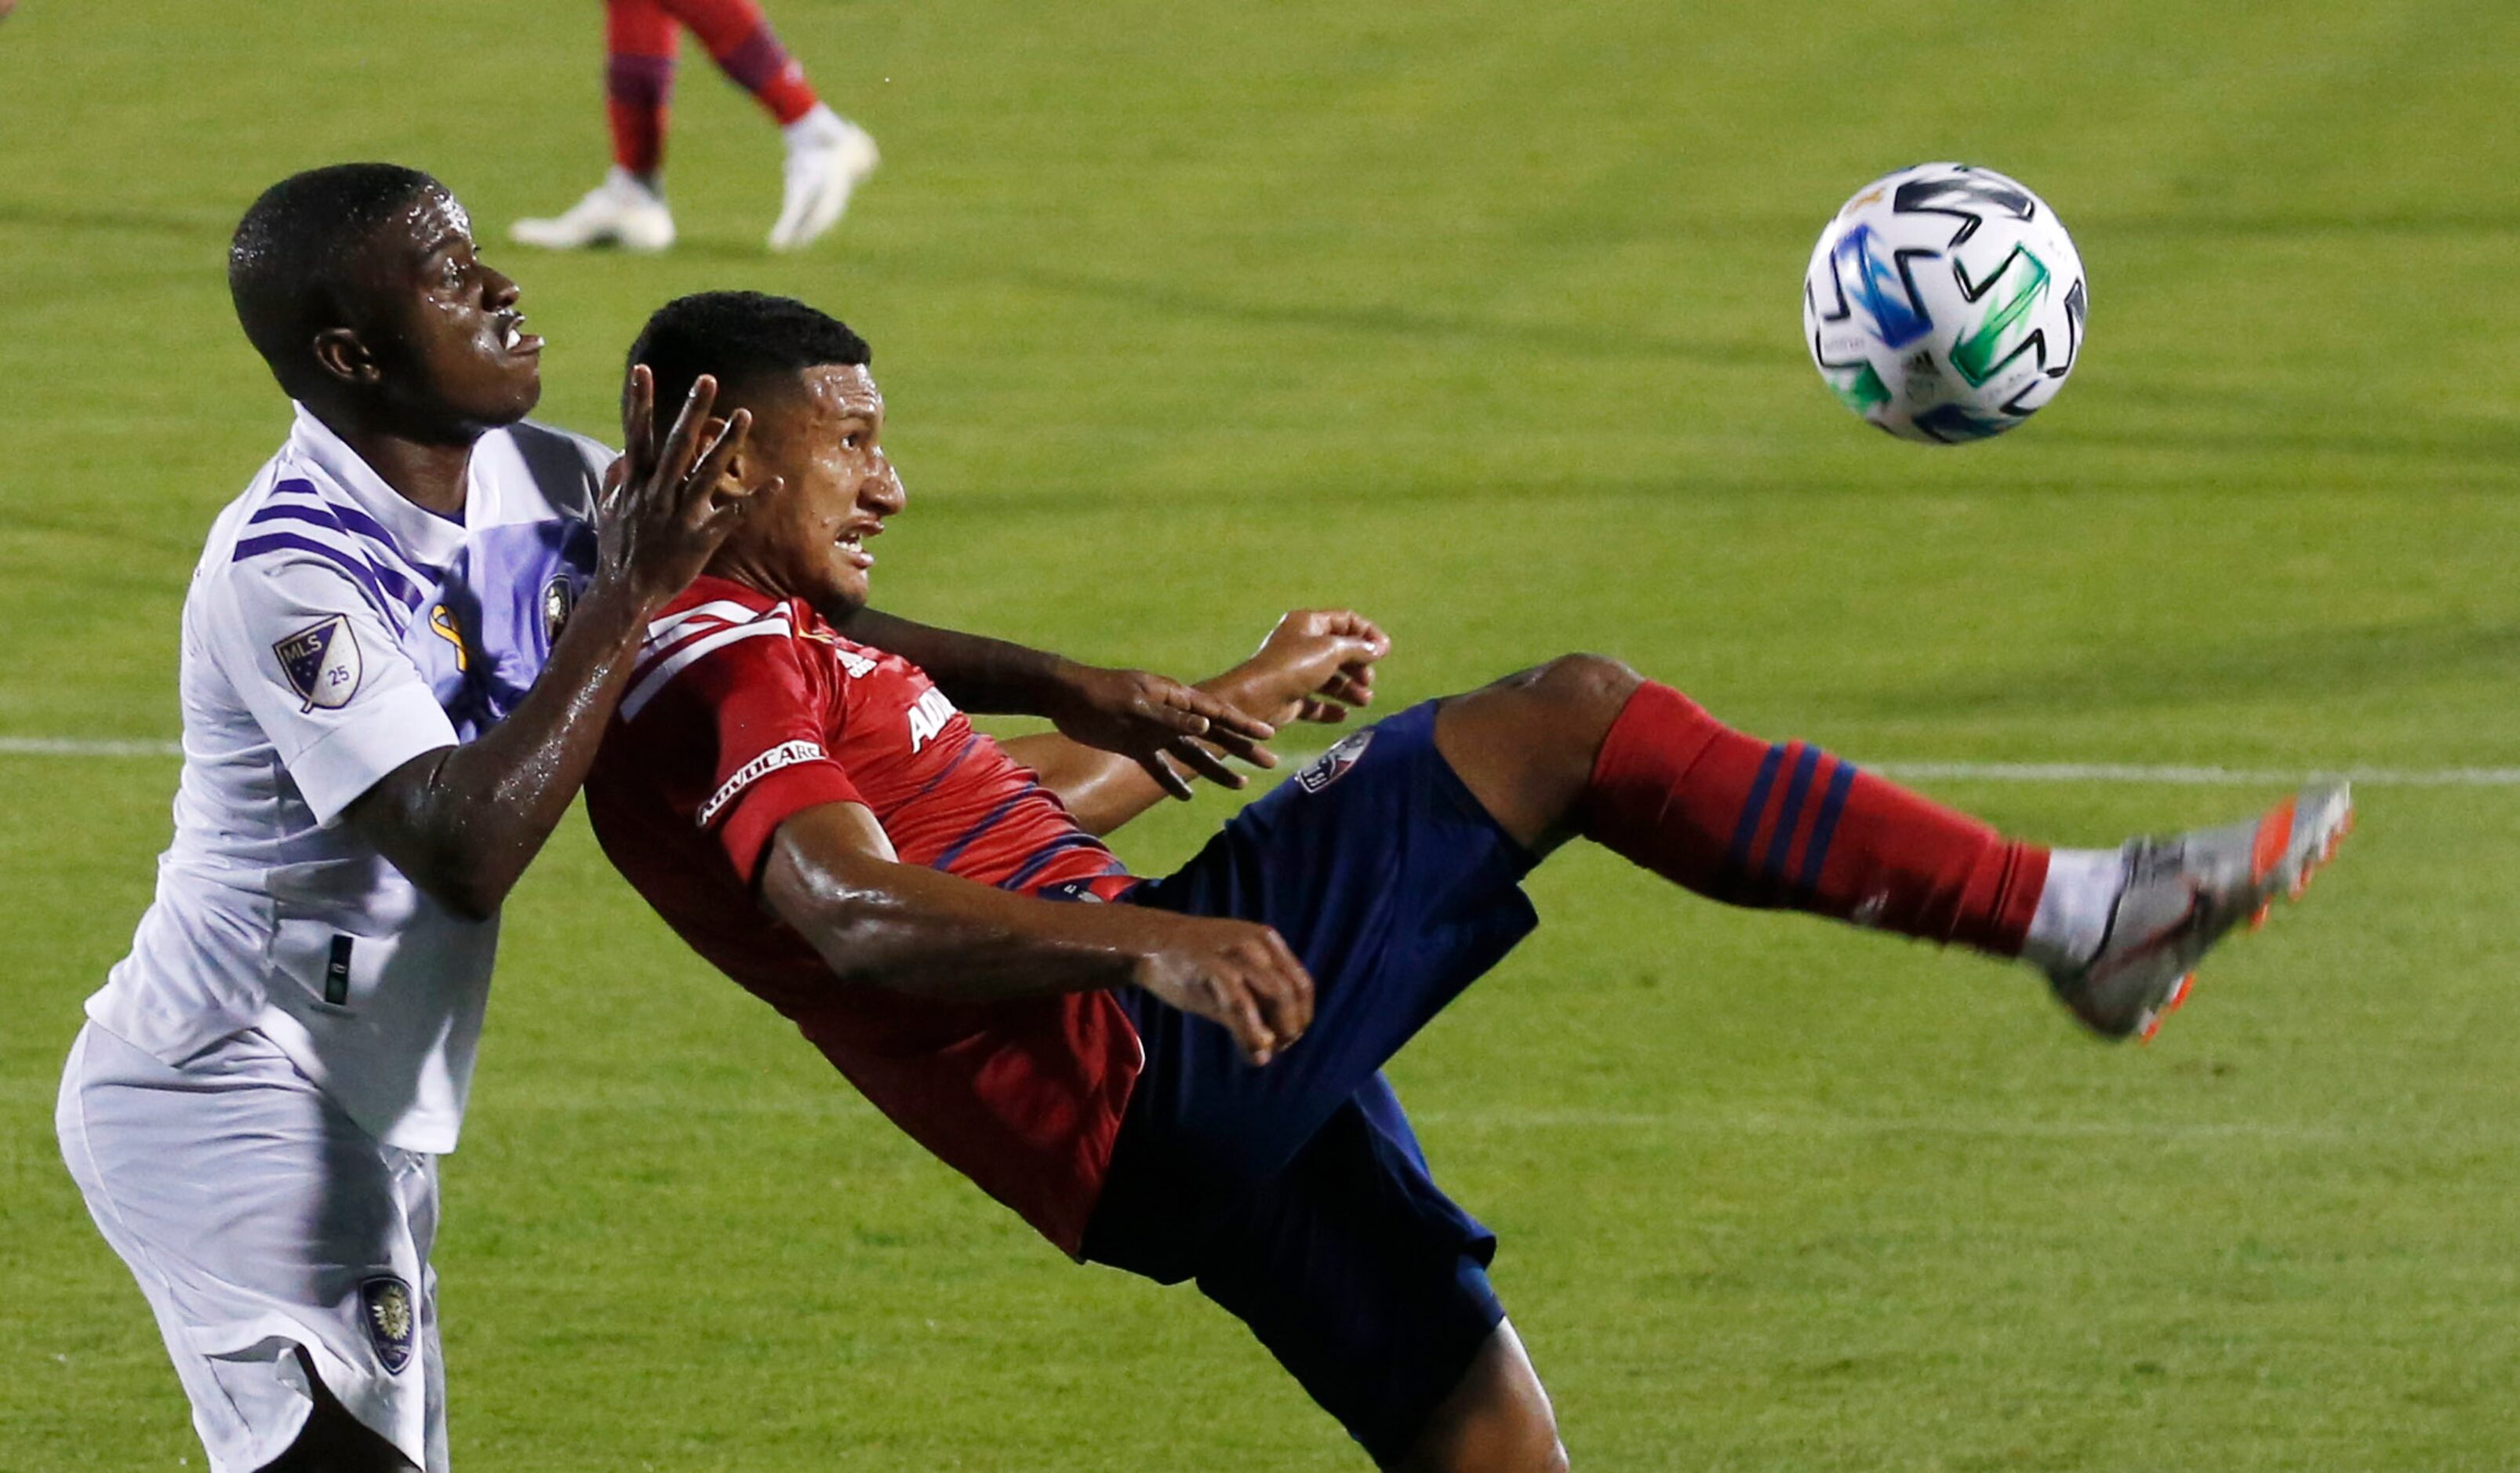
{"points": [[385, 1304], [1332, 765], [559, 596], [321, 663]]}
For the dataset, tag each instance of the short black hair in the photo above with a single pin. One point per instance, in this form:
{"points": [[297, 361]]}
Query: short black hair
{"points": [[739, 337], [291, 267]]}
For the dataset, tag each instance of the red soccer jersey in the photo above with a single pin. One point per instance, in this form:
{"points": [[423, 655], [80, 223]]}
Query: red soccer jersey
{"points": [[745, 710]]}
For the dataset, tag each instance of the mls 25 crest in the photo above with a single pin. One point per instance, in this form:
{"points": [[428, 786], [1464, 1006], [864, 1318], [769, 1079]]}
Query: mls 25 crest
{"points": [[321, 663]]}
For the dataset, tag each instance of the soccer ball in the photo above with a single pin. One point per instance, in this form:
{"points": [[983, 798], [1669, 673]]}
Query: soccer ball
{"points": [[1945, 303]]}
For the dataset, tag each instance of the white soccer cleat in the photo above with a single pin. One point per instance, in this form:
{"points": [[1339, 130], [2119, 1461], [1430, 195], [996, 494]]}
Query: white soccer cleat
{"points": [[2185, 893], [620, 211], [827, 157]]}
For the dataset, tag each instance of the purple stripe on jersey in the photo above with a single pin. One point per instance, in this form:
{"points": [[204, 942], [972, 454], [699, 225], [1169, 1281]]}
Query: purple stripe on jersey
{"points": [[1041, 858], [289, 542], [393, 583], [353, 519], [965, 750], [972, 835]]}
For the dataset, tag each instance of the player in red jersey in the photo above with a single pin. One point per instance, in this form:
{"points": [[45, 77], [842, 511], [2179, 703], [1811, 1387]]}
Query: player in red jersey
{"points": [[828, 155], [1181, 1076]]}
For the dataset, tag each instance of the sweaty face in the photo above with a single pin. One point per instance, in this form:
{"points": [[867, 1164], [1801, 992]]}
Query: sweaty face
{"points": [[444, 326], [820, 433]]}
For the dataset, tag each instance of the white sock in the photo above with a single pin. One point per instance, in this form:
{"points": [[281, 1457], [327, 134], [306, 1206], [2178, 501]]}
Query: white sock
{"points": [[815, 129], [2075, 907]]}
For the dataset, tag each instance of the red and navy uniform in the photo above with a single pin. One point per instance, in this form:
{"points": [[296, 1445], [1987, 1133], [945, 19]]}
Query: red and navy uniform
{"points": [[745, 710], [1125, 1132]]}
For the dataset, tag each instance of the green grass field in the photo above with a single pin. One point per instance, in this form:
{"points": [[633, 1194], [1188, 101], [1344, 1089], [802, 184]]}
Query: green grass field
{"points": [[1481, 317]]}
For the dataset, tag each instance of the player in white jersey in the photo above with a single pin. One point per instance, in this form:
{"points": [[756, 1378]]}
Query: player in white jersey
{"points": [[399, 652]]}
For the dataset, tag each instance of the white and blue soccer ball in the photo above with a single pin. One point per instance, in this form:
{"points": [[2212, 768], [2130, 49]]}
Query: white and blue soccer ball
{"points": [[1945, 303]]}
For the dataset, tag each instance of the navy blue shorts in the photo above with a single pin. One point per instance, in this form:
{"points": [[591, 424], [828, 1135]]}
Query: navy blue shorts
{"points": [[1296, 1194]]}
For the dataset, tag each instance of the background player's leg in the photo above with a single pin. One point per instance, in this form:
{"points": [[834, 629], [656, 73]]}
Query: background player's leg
{"points": [[828, 155], [639, 40], [1585, 745], [628, 209], [739, 37], [1497, 1420]]}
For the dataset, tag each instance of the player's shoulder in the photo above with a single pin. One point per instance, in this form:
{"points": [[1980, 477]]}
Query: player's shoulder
{"points": [[718, 636], [290, 523], [540, 471]]}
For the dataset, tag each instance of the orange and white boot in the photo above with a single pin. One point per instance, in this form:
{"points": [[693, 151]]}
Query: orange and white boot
{"points": [[2185, 893]]}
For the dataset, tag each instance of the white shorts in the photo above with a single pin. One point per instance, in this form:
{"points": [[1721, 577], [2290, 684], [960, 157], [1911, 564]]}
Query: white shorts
{"points": [[262, 1224]]}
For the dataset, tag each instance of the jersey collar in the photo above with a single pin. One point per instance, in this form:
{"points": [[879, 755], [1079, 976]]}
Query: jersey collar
{"points": [[422, 535]]}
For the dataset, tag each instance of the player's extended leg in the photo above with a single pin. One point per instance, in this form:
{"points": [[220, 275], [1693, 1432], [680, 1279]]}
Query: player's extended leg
{"points": [[283, 1249], [1584, 746], [1497, 1420], [628, 209], [334, 1441], [827, 156]]}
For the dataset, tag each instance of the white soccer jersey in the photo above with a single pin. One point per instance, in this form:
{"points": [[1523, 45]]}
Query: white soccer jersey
{"points": [[334, 632]]}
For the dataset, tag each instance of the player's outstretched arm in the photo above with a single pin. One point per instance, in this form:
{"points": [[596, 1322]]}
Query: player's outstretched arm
{"points": [[1314, 665], [832, 876], [1145, 719], [463, 821]]}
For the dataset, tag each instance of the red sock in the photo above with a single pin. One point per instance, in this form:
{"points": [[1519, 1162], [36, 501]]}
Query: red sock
{"points": [[740, 37], [1757, 823], [639, 43]]}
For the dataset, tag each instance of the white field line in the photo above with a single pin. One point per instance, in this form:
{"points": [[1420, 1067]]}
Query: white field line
{"points": [[76, 746], [2191, 777], [2066, 773]]}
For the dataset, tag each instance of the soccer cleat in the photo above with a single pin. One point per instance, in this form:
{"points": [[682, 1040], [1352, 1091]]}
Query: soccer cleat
{"points": [[827, 157], [620, 211], [2185, 893]]}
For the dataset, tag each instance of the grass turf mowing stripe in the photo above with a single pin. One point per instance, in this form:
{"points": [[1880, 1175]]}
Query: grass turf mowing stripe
{"points": [[2127, 773]]}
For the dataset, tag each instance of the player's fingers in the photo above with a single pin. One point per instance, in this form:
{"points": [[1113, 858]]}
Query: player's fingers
{"points": [[1285, 1004], [704, 481], [1226, 720], [1295, 985], [721, 514], [1347, 623], [1172, 783], [1238, 1013], [1234, 744], [683, 441], [1159, 708], [639, 417], [1327, 713], [1205, 761], [608, 502]]}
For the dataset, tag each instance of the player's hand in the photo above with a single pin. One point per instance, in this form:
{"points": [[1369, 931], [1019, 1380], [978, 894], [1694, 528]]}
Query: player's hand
{"points": [[667, 506], [1236, 973], [1313, 666], [1156, 722]]}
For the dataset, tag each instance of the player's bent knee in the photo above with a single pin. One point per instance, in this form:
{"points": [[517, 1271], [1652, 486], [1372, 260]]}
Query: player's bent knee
{"points": [[1593, 688]]}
